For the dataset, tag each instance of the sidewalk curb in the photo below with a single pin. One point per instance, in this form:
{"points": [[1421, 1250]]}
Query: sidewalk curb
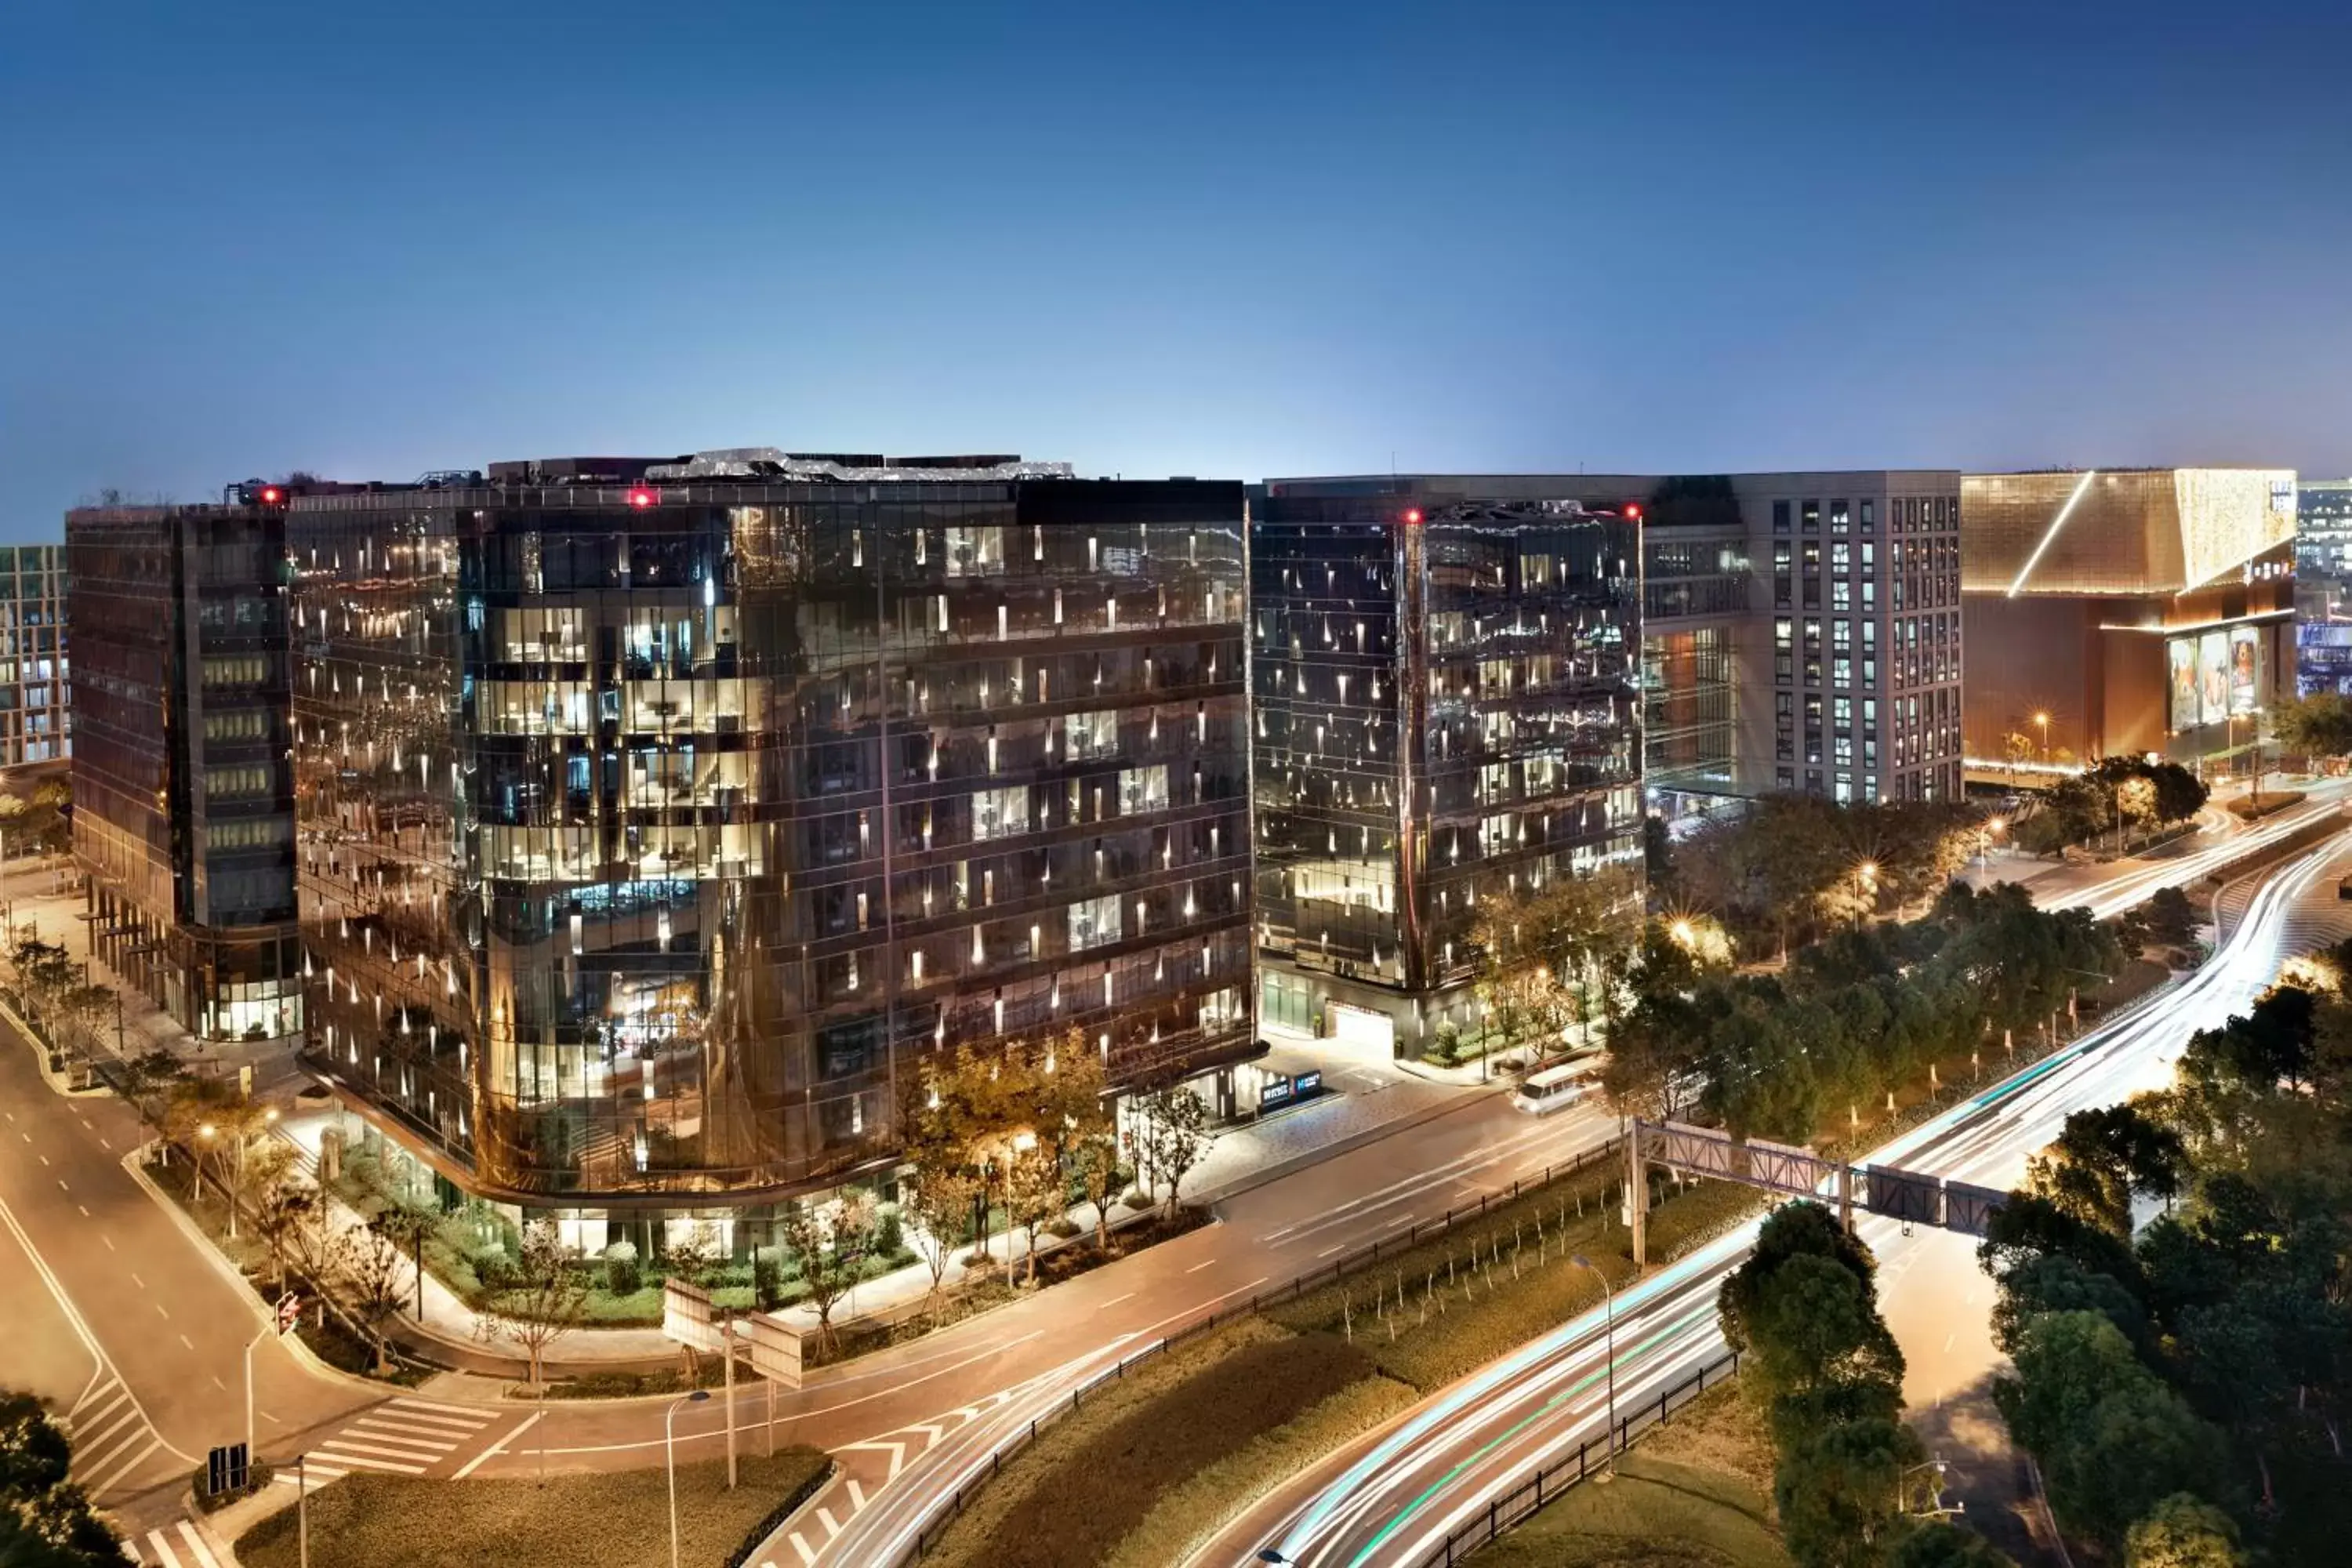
{"points": [[1253, 1180], [132, 1163]]}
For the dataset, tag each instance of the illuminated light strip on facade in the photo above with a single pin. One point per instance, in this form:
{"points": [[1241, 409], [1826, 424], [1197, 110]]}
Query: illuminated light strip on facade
{"points": [[2204, 626], [2056, 525]]}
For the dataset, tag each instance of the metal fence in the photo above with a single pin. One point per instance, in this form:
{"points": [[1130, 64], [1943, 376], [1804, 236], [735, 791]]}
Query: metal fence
{"points": [[1546, 1484], [950, 1507]]}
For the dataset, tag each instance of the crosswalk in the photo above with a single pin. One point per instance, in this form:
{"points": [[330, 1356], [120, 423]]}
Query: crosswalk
{"points": [[866, 1468], [403, 1437], [112, 1435], [177, 1545]]}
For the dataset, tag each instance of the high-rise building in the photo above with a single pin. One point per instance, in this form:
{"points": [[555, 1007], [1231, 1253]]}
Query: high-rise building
{"points": [[657, 816], [35, 719], [1446, 683], [183, 800], [2122, 612], [2323, 586]]}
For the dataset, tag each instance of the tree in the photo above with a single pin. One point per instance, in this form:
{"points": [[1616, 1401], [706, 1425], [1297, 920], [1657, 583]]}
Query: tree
{"points": [[282, 1204], [1800, 1229], [2183, 1531], [45, 1520], [941, 1202], [2102, 1158], [1836, 1491], [541, 1299], [1095, 1161], [2050, 1283], [2319, 726], [372, 1264], [407, 1225], [832, 1243], [1175, 1135], [2171, 919], [1936, 1545], [1036, 1193], [147, 1081]]}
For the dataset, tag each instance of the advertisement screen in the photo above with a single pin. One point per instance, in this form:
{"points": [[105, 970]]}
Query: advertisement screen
{"points": [[2245, 669], [2213, 675], [2180, 666]]}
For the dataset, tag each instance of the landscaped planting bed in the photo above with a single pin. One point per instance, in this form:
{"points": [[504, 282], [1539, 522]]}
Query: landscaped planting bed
{"points": [[617, 1518]]}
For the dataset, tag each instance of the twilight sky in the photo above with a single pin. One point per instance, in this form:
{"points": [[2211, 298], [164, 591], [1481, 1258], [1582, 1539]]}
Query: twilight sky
{"points": [[371, 239]]}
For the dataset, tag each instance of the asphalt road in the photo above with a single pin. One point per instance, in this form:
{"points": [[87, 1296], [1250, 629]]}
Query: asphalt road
{"points": [[1393, 1497]]}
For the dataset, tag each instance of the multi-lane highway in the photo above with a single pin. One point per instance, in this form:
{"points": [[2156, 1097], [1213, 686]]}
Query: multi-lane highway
{"points": [[1393, 1498]]}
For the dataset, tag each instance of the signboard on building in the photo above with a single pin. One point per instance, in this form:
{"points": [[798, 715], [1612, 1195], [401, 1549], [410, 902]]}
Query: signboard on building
{"points": [[775, 1348], [2245, 669], [687, 1316], [2180, 666], [2213, 675]]}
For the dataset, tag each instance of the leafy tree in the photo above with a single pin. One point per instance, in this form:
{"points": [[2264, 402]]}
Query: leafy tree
{"points": [[2319, 726], [2102, 1158], [543, 1298], [282, 1203], [1936, 1545], [372, 1269], [1036, 1193], [1800, 1229], [1836, 1491], [941, 1202], [2055, 1283], [2029, 1227], [833, 1244], [1175, 1123], [1096, 1162], [2171, 919], [147, 1081], [2183, 1531]]}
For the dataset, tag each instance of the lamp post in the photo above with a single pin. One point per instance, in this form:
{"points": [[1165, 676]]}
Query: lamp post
{"points": [[2042, 717], [1935, 1464], [1609, 1349], [1866, 883], [669, 1448]]}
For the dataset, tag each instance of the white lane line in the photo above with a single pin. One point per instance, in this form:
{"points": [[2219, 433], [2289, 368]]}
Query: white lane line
{"points": [[43, 1158], [196, 1543], [390, 1445], [344, 1447], [1204, 1263], [85, 1210], [472, 1417], [98, 1484], [162, 1308], [825, 1517], [364, 1463], [185, 1339], [107, 1239], [1115, 1301], [163, 1552], [1330, 1250], [857, 1496], [412, 1421], [808, 1558], [136, 1281], [470, 1466]]}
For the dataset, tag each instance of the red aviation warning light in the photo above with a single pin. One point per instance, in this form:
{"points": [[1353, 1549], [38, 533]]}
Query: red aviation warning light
{"points": [[1412, 516], [1633, 511], [641, 497]]}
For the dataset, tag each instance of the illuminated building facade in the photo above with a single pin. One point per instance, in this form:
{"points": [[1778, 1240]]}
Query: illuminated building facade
{"points": [[655, 817], [1446, 706], [2323, 586], [2125, 612], [183, 800], [35, 719]]}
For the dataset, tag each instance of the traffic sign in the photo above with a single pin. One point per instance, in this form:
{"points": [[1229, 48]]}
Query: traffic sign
{"points": [[226, 1470]]}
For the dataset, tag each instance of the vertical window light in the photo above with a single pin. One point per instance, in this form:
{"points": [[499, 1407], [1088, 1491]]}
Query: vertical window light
{"points": [[1037, 541]]}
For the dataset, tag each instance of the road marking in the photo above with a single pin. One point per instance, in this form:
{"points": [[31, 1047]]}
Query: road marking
{"points": [[196, 1544], [857, 1496], [1115, 1301], [897, 1452], [183, 1340], [1198, 1267], [98, 1484], [825, 1517], [61, 1184], [163, 1552], [344, 1448], [160, 1307], [136, 1281], [470, 1415], [44, 1159], [1947, 1344], [107, 1239], [106, 1144], [807, 1557], [1330, 1250], [368, 1464], [476, 1463], [85, 1210]]}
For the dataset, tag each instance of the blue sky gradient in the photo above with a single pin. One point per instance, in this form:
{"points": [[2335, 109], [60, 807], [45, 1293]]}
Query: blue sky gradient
{"points": [[373, 239]]}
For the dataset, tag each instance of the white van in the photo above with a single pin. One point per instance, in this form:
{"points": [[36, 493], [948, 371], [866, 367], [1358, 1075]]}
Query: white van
{"points": [[1556, 1089]]}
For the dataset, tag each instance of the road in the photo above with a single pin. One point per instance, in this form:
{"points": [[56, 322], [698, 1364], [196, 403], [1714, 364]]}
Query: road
{"points": [[1393, 1497], [138, 1330]]}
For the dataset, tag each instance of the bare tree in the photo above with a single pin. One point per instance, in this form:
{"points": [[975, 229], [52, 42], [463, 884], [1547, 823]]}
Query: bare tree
{"points": [[371, 1267], [544, 1299], [282, 1202]]}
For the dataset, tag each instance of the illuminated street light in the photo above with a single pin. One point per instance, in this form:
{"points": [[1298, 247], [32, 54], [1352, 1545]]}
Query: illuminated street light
{"points": [[2042, 717], [669, 1446], [1609, 1349], [1683, 932]]}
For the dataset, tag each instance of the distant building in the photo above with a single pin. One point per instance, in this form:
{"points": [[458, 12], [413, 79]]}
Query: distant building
{"points": [[2124, 611], [658, 817], [2323, 586], [36, 717], [183, 797], [1446, 690]]}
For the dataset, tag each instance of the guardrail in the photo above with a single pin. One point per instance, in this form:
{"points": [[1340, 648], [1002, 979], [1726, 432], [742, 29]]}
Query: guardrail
{"points": [[950, 1509], [1546, 1484]]}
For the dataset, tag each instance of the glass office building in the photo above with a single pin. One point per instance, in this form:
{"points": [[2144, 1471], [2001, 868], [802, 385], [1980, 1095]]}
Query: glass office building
{"points": [[2323, 586], [183, 806], [655, 817], [35, 719], [1447, 704]]}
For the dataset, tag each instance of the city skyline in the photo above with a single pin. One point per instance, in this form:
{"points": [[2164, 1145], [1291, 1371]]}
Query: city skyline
{"points": [[1237, 246]]}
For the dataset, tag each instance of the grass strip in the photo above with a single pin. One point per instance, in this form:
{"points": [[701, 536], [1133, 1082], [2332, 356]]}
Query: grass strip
{"points": [[617, 1518], [1208, 1499]]}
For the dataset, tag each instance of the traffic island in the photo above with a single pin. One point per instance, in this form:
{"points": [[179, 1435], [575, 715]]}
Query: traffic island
{"points": [[617, 1518]]}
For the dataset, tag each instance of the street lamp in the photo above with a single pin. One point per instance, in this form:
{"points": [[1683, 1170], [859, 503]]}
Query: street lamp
{"points": [[1684, 933], [2042, 718], [1866, 883], [669, 1448], [1609, 1349]]}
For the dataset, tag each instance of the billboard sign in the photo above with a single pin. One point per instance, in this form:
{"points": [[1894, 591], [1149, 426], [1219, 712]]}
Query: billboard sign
{"points": [[2180, 667], [687, 1317], [2213, 675], [775, 1349], [2245, 669]]}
